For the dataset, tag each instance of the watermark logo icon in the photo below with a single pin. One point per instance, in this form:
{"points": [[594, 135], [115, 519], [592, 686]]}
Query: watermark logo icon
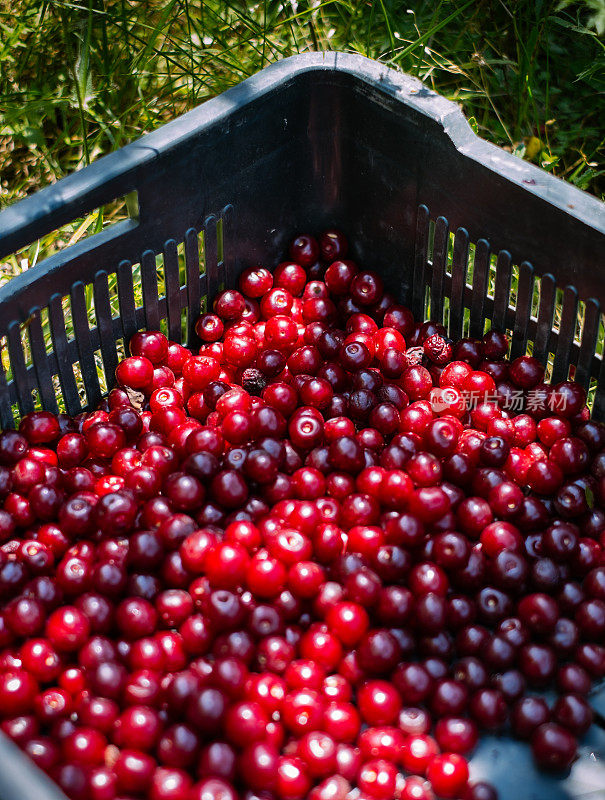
{"points": [[442, 399]]}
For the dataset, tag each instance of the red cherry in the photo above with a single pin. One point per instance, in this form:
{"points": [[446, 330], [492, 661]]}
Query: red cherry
{"points": [[448, 774]]}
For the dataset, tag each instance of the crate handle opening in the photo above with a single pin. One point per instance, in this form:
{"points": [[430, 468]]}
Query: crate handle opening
{"points": [[83, 227]]}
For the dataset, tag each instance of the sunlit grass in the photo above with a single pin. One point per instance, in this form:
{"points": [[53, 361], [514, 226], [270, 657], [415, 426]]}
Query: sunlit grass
{"points": [[79, 79]]}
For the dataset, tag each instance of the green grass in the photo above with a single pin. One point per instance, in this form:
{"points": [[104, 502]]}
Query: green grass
{"points": [[79, 78]]}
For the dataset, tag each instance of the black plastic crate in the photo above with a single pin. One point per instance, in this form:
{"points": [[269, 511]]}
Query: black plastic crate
{"points": [[459, 229]]}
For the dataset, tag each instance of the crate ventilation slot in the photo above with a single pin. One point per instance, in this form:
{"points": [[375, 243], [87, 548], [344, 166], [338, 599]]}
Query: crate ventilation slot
{"points": [[63, 356], [469, 289]]}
